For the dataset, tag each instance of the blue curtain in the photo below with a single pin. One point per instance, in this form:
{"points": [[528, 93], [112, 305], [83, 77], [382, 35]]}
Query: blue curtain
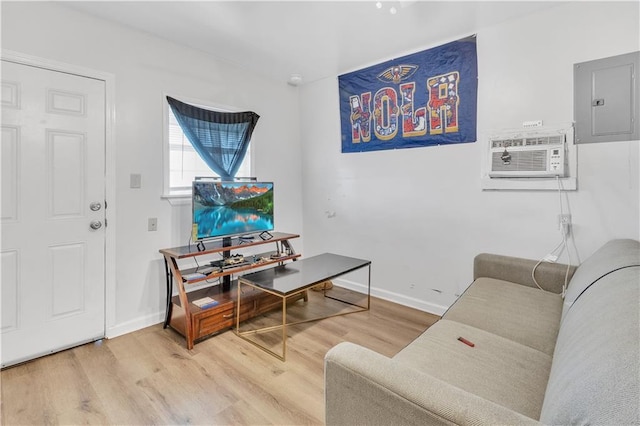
{"points": [[220, 138]]}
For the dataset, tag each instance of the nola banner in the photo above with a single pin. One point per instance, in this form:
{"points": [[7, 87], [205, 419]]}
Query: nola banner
{"points": [[423, 99]]}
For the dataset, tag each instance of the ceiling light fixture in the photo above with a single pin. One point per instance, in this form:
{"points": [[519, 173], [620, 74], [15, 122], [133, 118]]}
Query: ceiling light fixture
{"points": [[392, 10]]}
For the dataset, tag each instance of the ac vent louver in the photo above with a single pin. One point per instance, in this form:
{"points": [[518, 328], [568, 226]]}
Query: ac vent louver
{"points": [[528, 156]]}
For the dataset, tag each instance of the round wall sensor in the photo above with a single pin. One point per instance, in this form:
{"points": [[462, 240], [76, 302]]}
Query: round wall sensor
{"points": [[295, 79]]}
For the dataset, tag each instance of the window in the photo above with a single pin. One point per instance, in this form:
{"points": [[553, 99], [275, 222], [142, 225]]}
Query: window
{"points": [[182, 163]]}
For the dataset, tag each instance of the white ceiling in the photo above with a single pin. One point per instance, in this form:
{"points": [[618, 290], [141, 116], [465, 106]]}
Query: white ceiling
{"points": [[315, 39]]}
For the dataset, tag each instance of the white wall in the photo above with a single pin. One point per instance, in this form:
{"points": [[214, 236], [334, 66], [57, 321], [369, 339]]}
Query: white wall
{"points": [[420, 214], [144, 67]]}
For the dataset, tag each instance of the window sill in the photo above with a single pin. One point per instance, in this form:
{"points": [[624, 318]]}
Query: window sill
{"points": [[177, 199], [541, 184]]}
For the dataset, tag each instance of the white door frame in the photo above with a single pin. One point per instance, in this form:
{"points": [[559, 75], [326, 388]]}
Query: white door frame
{"points": [[110, 166]]}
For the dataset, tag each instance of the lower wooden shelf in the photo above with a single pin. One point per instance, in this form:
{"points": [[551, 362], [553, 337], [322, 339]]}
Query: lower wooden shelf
{"points": [[207, 322], [195, 323]]}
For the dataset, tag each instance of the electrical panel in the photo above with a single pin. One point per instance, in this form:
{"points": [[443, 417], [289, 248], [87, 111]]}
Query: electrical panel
{"points": [[606, 102]]}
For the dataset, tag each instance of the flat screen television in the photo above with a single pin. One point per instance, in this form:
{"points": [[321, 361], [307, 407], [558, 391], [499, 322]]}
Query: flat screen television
{"points": [[225, 209]]}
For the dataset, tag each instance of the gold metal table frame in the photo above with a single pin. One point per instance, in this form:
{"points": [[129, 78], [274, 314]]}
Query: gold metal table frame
{"points": [[298, 279]]}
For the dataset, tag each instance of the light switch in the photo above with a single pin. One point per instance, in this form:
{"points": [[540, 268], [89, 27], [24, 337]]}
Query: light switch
{"points": [[135, 180]]}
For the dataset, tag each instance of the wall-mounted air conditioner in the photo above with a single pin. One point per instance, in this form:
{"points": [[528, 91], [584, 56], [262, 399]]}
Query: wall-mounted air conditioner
{"points": [[536, 155]]}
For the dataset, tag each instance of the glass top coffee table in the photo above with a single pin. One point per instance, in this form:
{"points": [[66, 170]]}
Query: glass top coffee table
{"points": [[293, 278]]}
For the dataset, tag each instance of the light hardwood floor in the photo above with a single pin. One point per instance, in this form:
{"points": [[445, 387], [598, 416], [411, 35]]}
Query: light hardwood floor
{"points": [[149, 377]]}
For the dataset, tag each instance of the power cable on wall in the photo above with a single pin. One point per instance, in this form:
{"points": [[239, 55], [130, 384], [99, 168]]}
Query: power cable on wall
{"points": [[566, 232]]}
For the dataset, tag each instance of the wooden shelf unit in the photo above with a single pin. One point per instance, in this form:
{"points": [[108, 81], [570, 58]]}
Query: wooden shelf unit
{"points": [[195, 323]]}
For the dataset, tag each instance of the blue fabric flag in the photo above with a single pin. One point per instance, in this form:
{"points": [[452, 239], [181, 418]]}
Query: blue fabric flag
{"points": [[423, 99]]}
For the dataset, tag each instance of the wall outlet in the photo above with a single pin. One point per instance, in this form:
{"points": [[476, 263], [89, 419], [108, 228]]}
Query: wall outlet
{"points": [[152, 224], [564, 219], [564, 223]]}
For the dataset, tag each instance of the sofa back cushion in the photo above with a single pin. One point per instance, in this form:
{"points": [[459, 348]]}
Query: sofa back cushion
{"points": [[612, 256], [594, 374]]}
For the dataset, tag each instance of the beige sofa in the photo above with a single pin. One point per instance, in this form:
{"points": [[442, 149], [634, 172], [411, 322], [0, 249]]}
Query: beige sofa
{"points": [[536, 358]]}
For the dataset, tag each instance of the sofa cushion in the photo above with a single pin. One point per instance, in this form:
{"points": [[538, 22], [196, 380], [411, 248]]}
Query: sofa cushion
{"points": [[549, 276], [594, 377], [613, 255], [363, 387], [523, 314], [497, 369]]}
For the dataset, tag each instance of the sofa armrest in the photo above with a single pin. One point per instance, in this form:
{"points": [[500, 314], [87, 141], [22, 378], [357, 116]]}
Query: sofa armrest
{"points": [[550, 276], [364, 387]]}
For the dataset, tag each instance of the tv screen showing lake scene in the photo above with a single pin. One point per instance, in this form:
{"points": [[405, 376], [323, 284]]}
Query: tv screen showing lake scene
{"points": [[222, 209]]}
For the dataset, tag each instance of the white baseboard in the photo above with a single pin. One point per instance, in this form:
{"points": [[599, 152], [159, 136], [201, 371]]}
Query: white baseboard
{"points": [[134, 325], [393, 297]]}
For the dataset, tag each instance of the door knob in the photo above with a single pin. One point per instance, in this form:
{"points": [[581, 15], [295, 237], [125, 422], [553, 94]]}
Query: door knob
{"points": [[95, 206], [95, 224]]}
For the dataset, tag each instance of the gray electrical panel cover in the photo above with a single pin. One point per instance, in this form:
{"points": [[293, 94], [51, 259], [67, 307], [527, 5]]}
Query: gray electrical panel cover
{"points": [[606, 102]]}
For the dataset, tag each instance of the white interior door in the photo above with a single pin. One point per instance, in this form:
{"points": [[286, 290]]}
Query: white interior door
{"points": [[53, 170]]}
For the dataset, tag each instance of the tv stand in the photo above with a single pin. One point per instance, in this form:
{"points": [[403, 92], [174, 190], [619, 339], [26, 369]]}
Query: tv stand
{"points": [[195, 323]]}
